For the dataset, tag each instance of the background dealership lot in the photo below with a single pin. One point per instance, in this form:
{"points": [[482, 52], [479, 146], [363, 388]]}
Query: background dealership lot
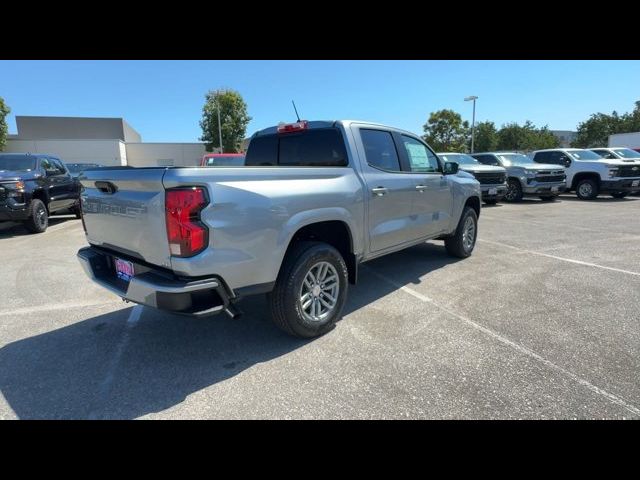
{"points": [[541, 322]]}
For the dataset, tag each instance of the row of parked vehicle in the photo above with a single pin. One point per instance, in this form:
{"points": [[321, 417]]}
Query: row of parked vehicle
{"points": [[547, 173]]}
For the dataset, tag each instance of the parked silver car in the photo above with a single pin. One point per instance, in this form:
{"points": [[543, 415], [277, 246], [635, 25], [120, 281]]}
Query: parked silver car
{"points": [[526, 178]]}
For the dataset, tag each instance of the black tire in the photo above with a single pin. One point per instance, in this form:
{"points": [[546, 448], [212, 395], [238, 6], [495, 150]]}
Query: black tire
{"points": [[286, 310], [551, 198], [589, 189], [619, 194], [38, 220], [514, 191], [491, 201], [455, 245]]}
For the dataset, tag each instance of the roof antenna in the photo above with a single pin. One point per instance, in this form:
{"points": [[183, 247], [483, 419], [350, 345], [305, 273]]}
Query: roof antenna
{"points": [[296, 110]]}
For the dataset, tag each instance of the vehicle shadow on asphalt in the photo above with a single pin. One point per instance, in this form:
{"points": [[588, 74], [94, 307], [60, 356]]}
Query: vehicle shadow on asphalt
{"points": [[104, 367], [14, 229]]}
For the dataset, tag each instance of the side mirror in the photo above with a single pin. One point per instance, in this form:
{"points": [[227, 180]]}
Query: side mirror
{"points": [[567, 162], [451, 168]]}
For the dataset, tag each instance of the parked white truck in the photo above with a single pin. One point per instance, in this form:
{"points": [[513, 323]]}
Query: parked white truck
{"points": [[312, 202], [589, 175]]}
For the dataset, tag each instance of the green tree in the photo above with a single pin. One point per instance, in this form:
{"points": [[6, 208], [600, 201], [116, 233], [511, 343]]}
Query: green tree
{"points": [[525, 137], [486, 137], [446, 132], [595, 131], [233, 118], [4, 128]]}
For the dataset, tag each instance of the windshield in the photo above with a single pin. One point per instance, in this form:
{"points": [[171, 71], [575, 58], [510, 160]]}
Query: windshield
{"points": [[627, 153], [21, 163], [509, 159], [459, 158], [225, 161], [584, 155]]}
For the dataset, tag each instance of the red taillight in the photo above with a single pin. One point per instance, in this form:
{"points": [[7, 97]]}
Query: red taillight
{"points": [[187, 235], [293, 127]]}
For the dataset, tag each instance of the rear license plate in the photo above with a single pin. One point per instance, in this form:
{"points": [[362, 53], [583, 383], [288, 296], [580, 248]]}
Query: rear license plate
{"points": [[554, 189], [635, 183], [124, 269], [493, 191]]}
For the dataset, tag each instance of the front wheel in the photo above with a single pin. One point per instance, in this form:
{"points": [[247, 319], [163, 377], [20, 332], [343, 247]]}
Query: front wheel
{"points": [[311, 290], [514, 191], [38, 220], [462, 242], [587, 189], [619, 194]]}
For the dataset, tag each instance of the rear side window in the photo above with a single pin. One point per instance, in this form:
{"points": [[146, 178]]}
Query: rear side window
{"points": [[380, 150], [313, 148]]}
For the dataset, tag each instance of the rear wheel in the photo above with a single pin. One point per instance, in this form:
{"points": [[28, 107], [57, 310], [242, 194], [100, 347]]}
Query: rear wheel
{"points": [[514, 191], [587, 189], [38, 220], [619, 194], [311, 290], [462, 242]]}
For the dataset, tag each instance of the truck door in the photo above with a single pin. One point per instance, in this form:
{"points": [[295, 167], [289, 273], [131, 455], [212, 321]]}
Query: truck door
{"points": [[433, 199], [61, 185], [391, 191]]}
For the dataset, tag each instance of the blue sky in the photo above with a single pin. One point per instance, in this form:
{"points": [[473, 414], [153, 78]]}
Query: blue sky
{"points": [[163, 99]]}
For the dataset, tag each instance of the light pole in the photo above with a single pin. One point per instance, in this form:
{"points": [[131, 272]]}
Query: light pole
{"points": [[219, 129], [473, 119]]}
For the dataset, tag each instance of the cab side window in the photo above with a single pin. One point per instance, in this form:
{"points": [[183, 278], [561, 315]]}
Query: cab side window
{"points": [[605, 154], [558, 158], [49, 168], [421, 159], [380, 150], [58, 166]]}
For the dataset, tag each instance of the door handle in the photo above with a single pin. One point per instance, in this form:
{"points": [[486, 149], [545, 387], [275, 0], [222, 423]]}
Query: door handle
{"points": [[421, 188], [379, 191]]}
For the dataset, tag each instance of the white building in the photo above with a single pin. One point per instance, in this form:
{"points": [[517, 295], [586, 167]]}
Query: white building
{"points": [[107, 141]]}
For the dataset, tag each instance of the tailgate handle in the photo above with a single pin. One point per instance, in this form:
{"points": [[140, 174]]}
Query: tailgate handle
{"points": [[106, 187]]}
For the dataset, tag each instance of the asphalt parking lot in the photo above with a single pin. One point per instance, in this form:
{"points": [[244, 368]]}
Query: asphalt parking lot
{"points": [[543, 321]]}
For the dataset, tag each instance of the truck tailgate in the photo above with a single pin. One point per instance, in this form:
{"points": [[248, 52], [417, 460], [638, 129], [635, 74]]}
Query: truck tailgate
{"points": [[123, 210]]}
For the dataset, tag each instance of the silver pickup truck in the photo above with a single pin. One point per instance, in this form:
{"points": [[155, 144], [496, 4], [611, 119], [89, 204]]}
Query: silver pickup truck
{"points": [[312, 202], [526, 177]]}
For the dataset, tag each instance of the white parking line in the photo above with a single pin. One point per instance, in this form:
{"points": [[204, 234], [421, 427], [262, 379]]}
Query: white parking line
{"points": [[552, 224], [519, 348], [555, 257]]}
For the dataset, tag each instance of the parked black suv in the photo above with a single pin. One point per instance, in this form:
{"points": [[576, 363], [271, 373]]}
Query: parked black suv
{"points": [[33, 186]]}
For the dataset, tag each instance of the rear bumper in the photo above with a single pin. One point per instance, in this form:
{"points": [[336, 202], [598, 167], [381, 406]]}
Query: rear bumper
{"points": [[622, 185], [155, 288]]}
